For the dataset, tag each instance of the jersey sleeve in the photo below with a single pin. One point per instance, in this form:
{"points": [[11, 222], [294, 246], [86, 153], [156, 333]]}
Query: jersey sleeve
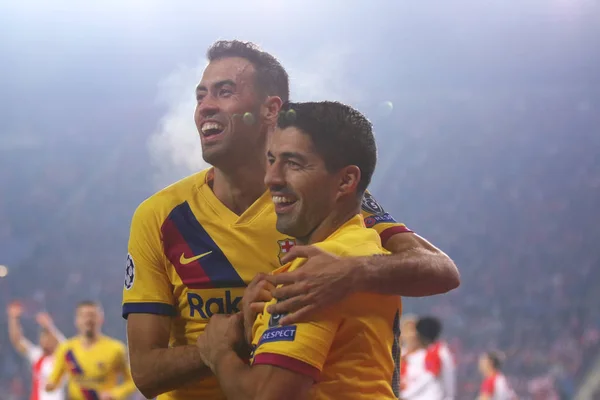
{"points": [[147, 287], [487, 386], [377, 218], [59, 365], [302, 348], [433, 362]]}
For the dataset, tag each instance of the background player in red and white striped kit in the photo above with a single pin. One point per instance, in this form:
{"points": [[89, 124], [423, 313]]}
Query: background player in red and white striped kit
{"points": [[429, 370], [494, 385], [409, 342], [40, 356]]}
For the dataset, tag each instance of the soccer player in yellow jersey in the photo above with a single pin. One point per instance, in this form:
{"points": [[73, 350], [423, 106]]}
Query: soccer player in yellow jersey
{"points": [[195, 245], [96, 365], [320, 160]]}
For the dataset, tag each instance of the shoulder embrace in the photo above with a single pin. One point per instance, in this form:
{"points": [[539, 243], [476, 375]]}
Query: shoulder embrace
{"points": [[167, 198], [368, 245]]}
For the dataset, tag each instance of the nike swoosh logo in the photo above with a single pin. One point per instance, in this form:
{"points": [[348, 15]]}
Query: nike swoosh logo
{"points": [[185, 261]]}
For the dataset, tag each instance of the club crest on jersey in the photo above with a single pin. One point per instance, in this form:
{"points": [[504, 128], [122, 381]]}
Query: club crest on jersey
{"points": [[370, 205], [129, 272], [285, 246]]}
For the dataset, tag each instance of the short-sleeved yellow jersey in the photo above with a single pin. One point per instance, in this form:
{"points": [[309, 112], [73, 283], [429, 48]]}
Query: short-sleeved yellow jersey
{"points": [[351, 349], [191, 257], [93, 370]]}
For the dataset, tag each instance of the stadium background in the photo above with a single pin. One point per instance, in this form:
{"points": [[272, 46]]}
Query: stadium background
{"points": [[487, 119]]}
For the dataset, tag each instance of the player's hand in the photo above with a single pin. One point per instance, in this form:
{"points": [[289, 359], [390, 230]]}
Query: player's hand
{"points": [[44, 320], [322, 280], [107, 396], [14, 310], [256, 295], [222, 333]]}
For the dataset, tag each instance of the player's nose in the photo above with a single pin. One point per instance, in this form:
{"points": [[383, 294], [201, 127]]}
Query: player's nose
{"points": [[208, 107], [274, 177]]}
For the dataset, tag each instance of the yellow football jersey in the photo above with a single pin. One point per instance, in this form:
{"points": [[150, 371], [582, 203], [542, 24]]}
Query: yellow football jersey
{"points": [[351, 349], [191, 257], [93, 370]]}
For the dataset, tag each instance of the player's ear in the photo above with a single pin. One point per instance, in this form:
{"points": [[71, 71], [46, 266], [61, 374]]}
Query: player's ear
{"points": [[271, 108], [349, 179]]}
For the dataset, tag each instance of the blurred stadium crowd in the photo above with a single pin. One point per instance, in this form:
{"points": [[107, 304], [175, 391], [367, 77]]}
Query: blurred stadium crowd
{"points": [[506, 182]]}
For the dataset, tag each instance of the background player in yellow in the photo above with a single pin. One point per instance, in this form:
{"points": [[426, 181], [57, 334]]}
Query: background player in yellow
{"points": [[321, 158], [96, 365], [195, 245]]}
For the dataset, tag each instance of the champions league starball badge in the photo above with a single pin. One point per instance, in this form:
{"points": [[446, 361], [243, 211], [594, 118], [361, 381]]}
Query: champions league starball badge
{"points": [[129, 272], [370, 205]]}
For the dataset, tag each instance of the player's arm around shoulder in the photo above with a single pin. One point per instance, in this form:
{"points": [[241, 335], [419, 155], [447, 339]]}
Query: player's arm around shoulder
{"points": [[415, 268]]}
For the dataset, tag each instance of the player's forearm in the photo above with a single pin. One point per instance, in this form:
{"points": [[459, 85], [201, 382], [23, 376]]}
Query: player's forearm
{"points": [[235, 377], [410, 273], [161, 370], [15, 334], [56, 333]]}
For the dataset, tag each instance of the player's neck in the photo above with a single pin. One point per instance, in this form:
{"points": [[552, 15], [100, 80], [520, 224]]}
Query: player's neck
{"points": [[490, 372], [341, 215], [424, 344], [239, 187], [88, 341]]}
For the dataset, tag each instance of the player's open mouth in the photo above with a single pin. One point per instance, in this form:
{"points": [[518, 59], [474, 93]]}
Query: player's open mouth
{"points": [[283, 203], [210, 129]]}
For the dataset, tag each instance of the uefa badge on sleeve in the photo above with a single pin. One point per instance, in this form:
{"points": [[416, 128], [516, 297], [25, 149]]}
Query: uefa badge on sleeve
{"points": [[129, 272]]}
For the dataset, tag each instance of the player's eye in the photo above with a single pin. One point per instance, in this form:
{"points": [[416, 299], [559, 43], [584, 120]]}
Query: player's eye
{"points": [[199, 97], [270, 160], [293, 164], [225, 92]]}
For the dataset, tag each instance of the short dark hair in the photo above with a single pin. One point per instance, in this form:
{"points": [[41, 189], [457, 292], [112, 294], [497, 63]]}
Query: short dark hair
{"points": [[340, 134], [429, 328], [495, 358], [271, 77]]}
